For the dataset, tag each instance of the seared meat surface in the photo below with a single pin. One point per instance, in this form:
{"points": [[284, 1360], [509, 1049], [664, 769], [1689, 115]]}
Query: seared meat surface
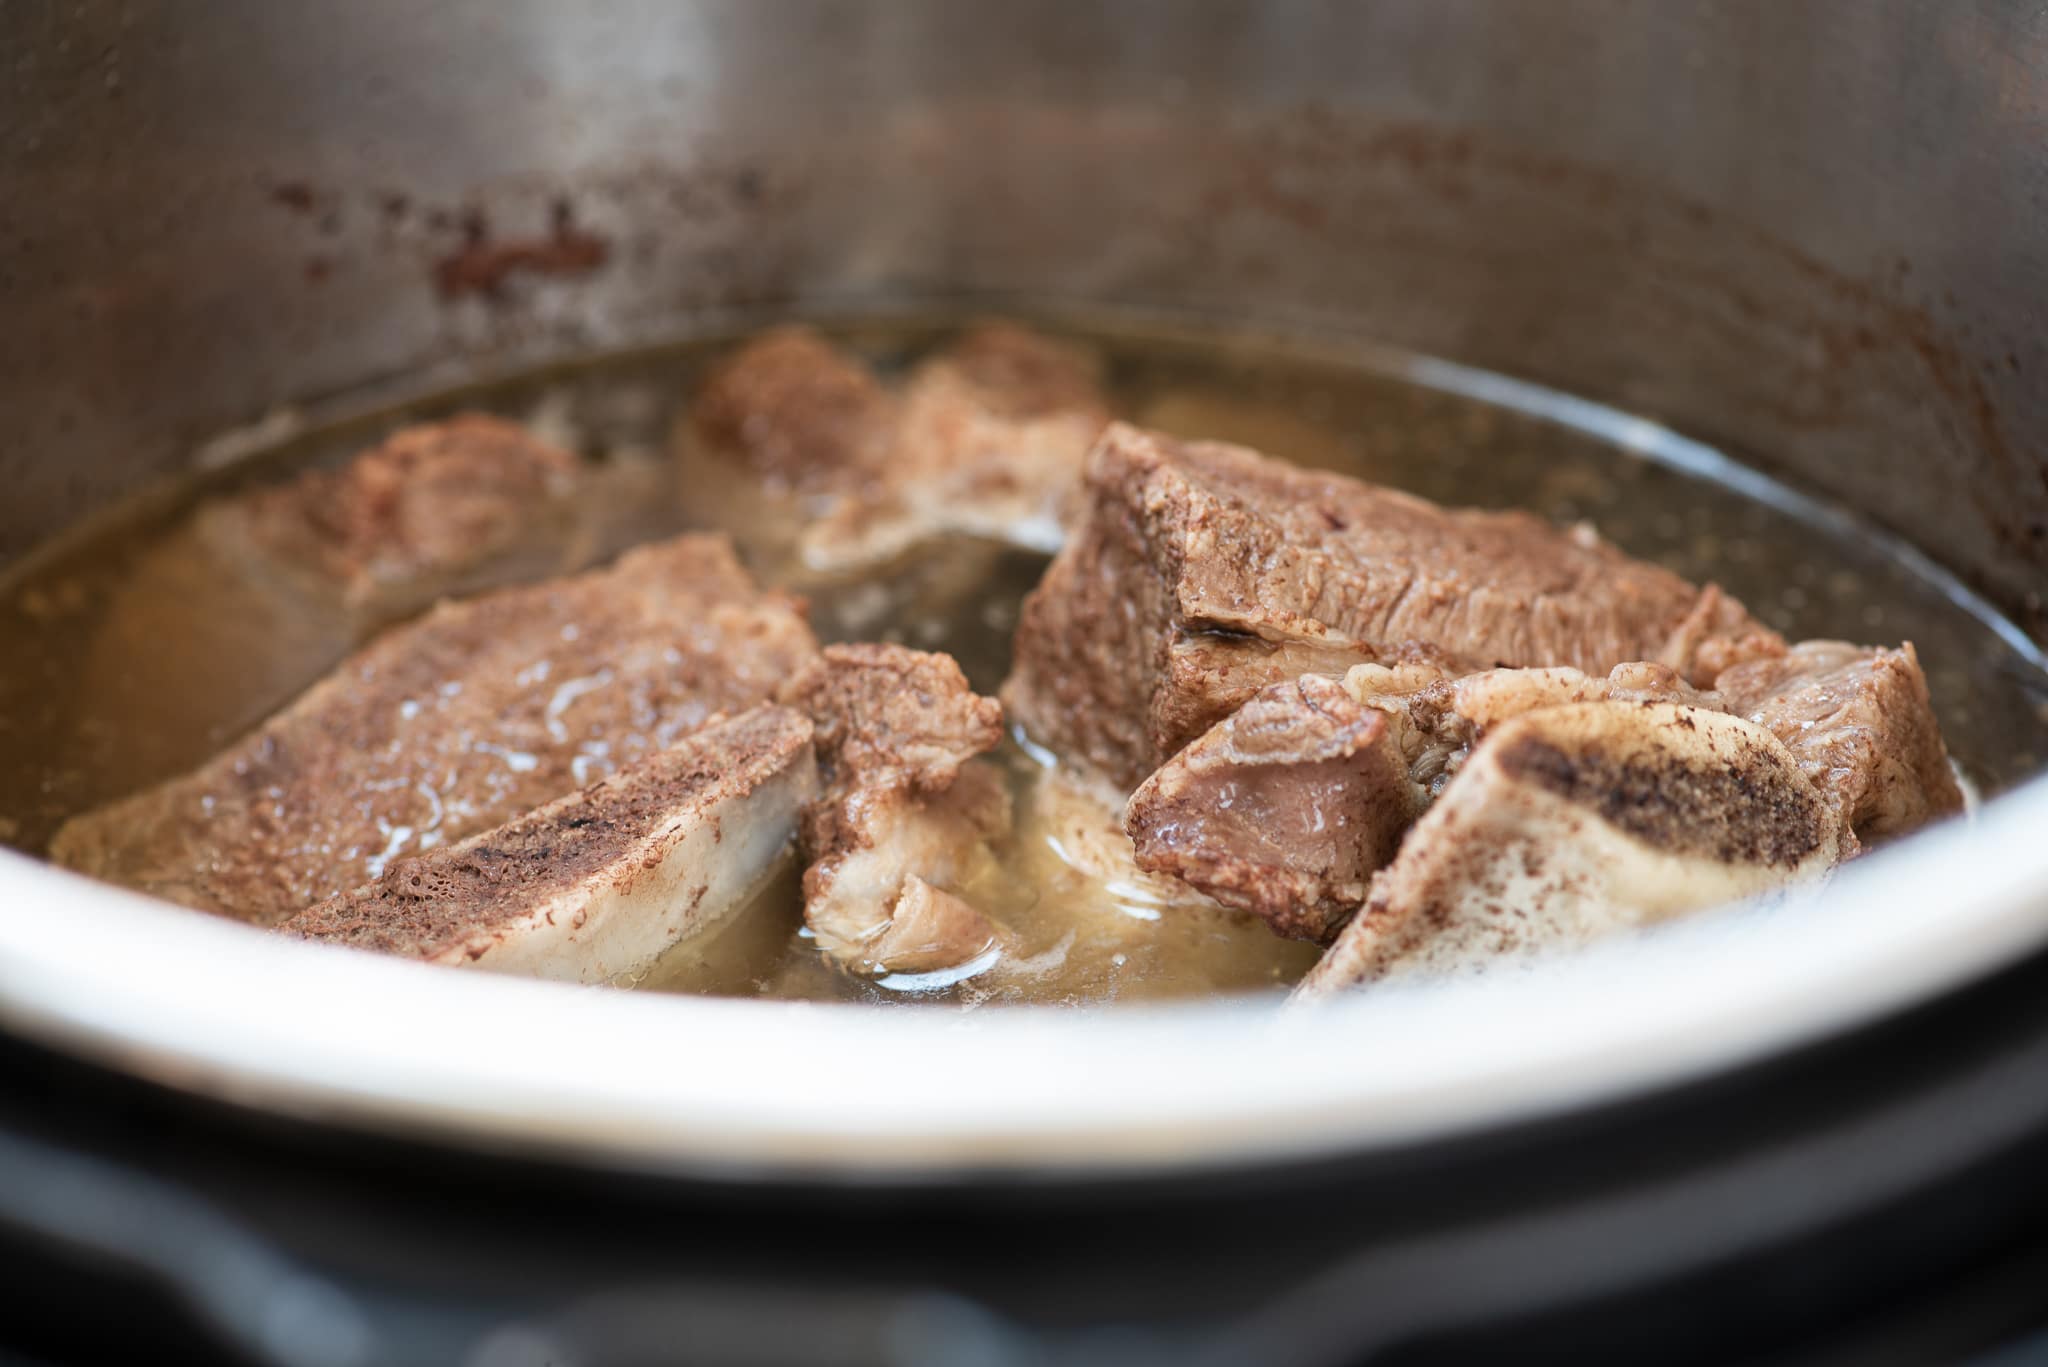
{"points": [[1200, 573], [904, 814], [985, 439], [1571, 822], [435, 510], [449, 725], [596, 885]]}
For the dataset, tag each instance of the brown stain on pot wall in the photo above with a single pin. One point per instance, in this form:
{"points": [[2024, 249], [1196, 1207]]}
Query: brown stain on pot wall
{"points": [[484, 264], [657, 216], [295, 195]]}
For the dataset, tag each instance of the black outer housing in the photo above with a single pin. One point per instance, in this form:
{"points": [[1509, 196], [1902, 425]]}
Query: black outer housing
{"points": [[1880, 1198]]}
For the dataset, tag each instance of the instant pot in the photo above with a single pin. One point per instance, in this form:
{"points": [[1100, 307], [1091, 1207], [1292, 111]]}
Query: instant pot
{"points": [[1809, 236]]}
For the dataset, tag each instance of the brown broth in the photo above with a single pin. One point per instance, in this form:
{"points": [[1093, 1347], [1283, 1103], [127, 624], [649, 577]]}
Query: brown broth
{"points": [[131, 654]]}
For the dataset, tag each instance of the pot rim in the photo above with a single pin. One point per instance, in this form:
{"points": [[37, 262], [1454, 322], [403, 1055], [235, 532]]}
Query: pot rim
{"points": [[625, 1080]]}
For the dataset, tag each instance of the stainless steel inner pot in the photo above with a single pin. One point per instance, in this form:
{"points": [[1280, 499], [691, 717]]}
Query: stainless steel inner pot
{"points": [[1807, 234]]}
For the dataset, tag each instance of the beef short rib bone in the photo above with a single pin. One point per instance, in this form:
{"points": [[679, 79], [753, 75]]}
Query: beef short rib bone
{"points": [[1571, 822], [593, 887], [449, 725], [1199, 573]]}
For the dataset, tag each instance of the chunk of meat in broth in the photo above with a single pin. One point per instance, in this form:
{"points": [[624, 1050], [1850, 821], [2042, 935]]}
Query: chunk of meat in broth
{"points": [[449, 725], [989, 443], [796, 413], [984, 439], [1284, 809], [1200, 573], [905, 812], [1267, 814], [436, 510]]}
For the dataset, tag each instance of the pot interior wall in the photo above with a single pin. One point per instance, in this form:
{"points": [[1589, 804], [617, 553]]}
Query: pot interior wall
{"points": [[1804, 232]]}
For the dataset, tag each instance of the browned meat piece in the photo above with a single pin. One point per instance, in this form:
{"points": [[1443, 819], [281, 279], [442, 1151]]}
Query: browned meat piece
{"points": [[436, 510], [985, 439], [1020, 374], [899, 804], [1860, 723], [891, 718], [595, 886], [797, 412], [1254, 565], [1287, 807], [990, 444], [1571, 822], [449, 725]]}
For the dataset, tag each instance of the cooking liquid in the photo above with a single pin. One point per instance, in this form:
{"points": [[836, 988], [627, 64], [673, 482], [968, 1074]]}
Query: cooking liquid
{"points": [[131, 653]]}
